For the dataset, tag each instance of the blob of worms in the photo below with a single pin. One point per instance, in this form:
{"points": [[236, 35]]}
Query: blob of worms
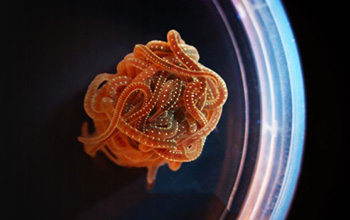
{"points": [[157, 109]]}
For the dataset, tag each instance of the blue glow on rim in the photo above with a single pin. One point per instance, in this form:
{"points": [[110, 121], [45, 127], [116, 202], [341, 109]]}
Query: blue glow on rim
{"points": [[298, 109], [283, 108]]}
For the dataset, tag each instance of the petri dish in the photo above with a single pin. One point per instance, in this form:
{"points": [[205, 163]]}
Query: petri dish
{"points": [[251, 161]]}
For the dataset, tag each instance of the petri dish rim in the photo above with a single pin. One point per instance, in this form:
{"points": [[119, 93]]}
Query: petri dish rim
{"points": [[282, 108]]}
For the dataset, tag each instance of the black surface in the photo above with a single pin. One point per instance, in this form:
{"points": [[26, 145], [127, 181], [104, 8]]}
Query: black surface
{"points": [[62, 182], [320, 27]]}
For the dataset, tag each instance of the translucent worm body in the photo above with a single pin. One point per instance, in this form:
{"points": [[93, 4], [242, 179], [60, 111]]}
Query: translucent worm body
{"points": [[157, 109]]}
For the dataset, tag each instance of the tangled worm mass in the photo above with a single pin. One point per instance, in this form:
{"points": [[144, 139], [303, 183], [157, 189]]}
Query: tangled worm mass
{"points": [[157, 109]]}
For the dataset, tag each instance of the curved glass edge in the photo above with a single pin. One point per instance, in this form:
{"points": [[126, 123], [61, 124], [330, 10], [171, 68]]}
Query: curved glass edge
{"points": [[283, 109], [298, 109]]}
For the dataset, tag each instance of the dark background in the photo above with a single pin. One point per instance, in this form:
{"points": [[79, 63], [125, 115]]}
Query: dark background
{"points": [[319, 28]]}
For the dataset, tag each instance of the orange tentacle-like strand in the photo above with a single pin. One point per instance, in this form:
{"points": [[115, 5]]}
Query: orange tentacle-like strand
{"points": [[157, 109]]}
